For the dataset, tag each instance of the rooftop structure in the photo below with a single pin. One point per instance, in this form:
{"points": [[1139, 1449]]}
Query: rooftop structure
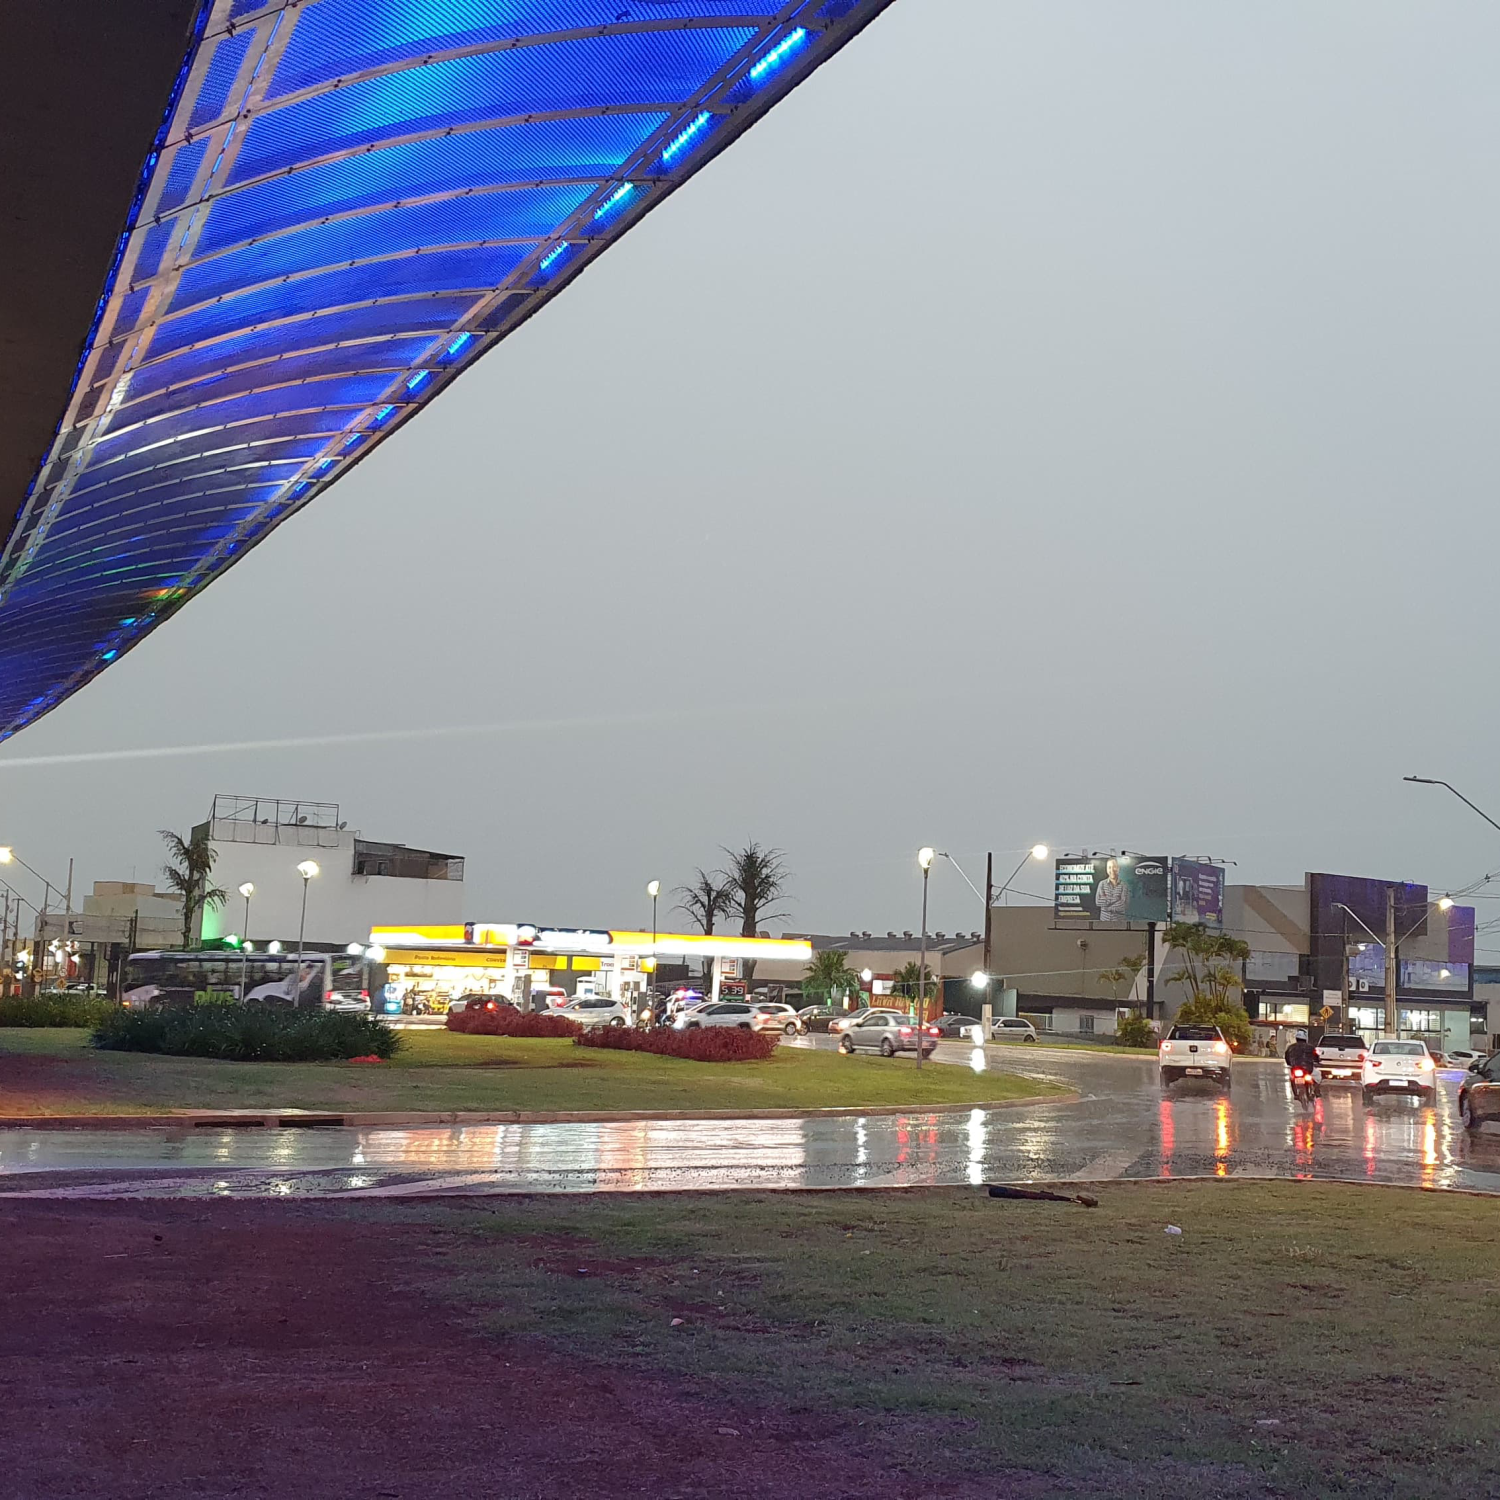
{"points": [[346, 205]]}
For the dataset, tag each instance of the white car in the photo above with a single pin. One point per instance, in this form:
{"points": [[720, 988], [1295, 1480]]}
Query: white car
{"points": [[1341, 1056], [598, 1011], [1393, 1067], [738, 1013], [1012, 1029], [1194, 1052], [771, 1015], [1465, 1057]]}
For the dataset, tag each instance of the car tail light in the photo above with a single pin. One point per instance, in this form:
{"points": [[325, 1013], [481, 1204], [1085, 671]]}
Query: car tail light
{"points": [[328, 997], [1424, 1062], [364, 994], [1360, 1058], [904, 1030], [1374, 1062], [1220, 1047], [1162, 1047], [934, 1031], [490, 1005]]}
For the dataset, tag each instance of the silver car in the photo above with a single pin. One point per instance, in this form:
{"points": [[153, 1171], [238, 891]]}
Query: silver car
{"points": [[888, 1032]]}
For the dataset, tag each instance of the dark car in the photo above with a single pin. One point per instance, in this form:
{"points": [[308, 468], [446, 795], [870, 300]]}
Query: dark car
{"points": [[1479, 1093], [960, 1028], [478, 1002], [818, 1017]]}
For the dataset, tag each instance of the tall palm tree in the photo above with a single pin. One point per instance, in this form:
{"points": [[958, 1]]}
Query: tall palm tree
{"points": [[829, 978], [190, 863], [757, 878], [705, 901]]}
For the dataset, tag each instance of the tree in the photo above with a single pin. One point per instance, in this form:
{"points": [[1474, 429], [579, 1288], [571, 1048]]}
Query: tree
{"points": [[1124, 975], [1206, 959], [829, 979], [706, 900], [910, 979], [190, 864], [757, 879]]}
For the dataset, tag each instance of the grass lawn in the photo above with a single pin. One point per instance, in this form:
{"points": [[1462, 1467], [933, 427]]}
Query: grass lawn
{"points": [[55, 1072], [1295, 1340]]}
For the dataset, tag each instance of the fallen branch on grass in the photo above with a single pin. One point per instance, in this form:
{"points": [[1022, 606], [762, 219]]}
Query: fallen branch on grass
{"points": [[1041, 1195]]}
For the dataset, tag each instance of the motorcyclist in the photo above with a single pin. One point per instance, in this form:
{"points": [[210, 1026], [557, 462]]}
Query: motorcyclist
{"points": [[1302, 1054]]}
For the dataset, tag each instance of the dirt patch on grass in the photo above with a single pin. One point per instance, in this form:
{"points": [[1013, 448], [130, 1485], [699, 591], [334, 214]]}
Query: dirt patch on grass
{"points": [[171, 1350]]}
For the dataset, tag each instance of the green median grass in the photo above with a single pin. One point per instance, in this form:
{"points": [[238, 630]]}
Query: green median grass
{"points": [[1295, 1340], [56, 1072]]}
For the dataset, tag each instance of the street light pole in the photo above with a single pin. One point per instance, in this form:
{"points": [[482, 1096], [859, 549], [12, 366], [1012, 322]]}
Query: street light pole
{"points": [[307, 869], [1433, 781], [247, 891], [653, 890], [925, 858]]}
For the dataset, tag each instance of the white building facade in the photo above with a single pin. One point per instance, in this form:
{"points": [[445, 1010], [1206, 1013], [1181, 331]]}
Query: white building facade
{"points": [[361, 883]]}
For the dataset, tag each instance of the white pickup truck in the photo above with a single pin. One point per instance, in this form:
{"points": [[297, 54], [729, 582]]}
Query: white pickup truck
{"points": [[1194, 1052], [1341, 1057]]}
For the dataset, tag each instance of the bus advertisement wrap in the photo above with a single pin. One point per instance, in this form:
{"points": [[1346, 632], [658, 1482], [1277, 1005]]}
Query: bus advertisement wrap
{"points": [[1197, 892], [1112, 888]]}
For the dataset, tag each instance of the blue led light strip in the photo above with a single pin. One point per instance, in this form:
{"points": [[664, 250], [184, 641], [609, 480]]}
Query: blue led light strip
{"points": [[778, 53], [554, 255], [678, 144], [617, 197]]}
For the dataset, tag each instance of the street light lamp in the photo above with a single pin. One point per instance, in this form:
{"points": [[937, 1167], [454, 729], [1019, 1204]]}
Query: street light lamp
{"points": [[979, 979], [1445, 903], [307, 870], [247, 891]]}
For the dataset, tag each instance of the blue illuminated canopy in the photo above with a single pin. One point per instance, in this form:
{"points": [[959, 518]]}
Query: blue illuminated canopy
{"points": [[348, 203]]}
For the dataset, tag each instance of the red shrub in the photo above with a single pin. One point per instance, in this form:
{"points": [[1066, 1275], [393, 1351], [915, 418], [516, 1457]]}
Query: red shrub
{"points": [[504, 1020], [702, 1044]]}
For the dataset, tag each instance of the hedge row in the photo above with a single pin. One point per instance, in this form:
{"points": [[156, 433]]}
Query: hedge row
{"points": [[54, 1009], [505, 1020], [701, 1044], [247, 1033]]}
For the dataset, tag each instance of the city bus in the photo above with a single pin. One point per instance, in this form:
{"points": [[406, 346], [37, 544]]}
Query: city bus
{"points": [[327, 981]]}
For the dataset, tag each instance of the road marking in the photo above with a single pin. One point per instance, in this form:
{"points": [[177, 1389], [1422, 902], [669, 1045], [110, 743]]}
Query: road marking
{"points": [[1105, 1168]]}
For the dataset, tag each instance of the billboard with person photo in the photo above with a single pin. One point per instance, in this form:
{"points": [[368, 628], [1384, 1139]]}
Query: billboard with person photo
{"points": [[1114, 888]]}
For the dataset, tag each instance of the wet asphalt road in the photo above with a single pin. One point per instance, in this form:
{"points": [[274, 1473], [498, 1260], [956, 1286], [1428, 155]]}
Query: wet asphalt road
{"points": [[1123, 1126]]}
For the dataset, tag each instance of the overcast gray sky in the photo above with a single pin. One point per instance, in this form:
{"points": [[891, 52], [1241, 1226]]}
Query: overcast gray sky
{"points": [[1063, 421]]}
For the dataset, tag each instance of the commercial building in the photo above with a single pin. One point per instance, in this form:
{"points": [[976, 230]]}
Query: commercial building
{"points": [[88, 946], [361, 883], [512, 959], [1320, 947]]}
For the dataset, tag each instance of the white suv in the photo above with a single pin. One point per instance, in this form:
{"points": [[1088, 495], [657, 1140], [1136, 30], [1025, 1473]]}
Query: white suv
{"points": [[597, 1011], [1393, 1067], [722, 1013]]}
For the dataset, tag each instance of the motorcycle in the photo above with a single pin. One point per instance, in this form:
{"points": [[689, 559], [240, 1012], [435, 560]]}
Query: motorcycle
{"points": [[1304, 1086]]}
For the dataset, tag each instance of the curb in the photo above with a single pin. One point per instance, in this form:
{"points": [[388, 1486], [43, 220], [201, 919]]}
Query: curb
{"points": [[319, 1119]]}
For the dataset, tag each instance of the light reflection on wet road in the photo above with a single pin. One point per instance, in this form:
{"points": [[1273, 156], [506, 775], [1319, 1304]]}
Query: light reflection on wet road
{"points": [[1122, 1127]]}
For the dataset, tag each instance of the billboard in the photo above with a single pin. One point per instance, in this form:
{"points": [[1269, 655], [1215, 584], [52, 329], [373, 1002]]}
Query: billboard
{"points": [[1112, 888], [1197, 892]]}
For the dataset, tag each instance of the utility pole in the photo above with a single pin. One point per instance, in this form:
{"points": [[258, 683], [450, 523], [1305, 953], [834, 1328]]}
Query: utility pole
{"points": [[1391, 963], [1151, 971], [989, 901]]}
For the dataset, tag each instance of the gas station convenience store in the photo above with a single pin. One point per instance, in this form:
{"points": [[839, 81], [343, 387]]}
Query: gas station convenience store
{"points": [[511, 960]]}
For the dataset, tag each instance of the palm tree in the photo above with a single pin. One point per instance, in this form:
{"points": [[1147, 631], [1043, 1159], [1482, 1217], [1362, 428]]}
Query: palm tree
{"points": [[829, 977], [190, 864], [757, 880], [909, 979], [707, 899]]}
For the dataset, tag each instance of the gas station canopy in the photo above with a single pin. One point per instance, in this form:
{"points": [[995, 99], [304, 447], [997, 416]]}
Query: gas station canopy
{"points": [[347, 204]]}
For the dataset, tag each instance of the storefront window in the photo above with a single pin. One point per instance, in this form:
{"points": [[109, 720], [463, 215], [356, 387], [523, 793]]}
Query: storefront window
{"points": [[1367, 1017], [1285, 1010], [1420, 1020]]}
